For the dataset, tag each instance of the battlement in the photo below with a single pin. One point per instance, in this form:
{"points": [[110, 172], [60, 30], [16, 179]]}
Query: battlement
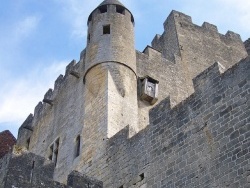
{"points": [[177, 137], [33, 171]]}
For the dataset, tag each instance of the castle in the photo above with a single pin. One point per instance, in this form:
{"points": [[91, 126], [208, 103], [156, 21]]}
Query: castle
{"points": [[174, 115]]}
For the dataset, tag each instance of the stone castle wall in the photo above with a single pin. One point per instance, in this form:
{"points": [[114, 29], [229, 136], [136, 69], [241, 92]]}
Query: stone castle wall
{"points": [[29, 170], [201, 142], [161, 153]]}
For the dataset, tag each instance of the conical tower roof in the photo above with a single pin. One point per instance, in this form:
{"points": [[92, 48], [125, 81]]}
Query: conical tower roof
{"points": [[111, 2]]}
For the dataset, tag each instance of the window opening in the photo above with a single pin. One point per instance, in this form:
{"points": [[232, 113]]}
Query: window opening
{"points": [[88, 38], [78, 145], [120, 9], [103, 9], [56, 155], [51, 152], [106, 29], [57, 144], [28, 143], [142, 176], [132, 19]]}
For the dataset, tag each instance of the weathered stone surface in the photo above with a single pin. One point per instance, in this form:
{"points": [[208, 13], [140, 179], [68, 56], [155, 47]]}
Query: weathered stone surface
{"points": [[195, 135]]}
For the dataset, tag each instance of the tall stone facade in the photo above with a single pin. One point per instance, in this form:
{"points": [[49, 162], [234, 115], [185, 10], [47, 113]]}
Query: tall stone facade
{"points": [[174, 115]]}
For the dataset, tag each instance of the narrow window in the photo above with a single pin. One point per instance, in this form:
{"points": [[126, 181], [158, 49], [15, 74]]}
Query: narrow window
{"points": [[56, 155], [120, 9], [57, 144], [56, 151], [28, 143], [103, 9], [78, 145], [51, 152], [88, 38], [106, 29], [132, 19]]}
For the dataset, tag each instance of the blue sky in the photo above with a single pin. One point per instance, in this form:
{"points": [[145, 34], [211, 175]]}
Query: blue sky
{"points": [[39, 38]]}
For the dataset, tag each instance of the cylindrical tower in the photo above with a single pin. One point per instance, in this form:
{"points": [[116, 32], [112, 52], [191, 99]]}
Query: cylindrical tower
{"points": [[111, 36], [110, 77]]}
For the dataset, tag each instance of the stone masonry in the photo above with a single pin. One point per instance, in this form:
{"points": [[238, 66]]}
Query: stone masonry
{"points": [[174, 115]]}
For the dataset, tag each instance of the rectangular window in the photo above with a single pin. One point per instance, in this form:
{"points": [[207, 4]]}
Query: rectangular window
{"points": [[53, 151], [78, 146], [28, 143], [88, 38], [106, 29]]}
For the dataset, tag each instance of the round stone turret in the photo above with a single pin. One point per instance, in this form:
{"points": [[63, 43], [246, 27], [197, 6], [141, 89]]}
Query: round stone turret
{"points": [[110, 81], [110, 36]]}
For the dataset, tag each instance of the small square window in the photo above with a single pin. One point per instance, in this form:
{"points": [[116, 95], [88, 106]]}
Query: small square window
{"points": [[77, 146], [106, 29]]}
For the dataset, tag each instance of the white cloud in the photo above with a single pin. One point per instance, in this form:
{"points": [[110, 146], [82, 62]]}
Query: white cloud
{"points": [[19, 97]]}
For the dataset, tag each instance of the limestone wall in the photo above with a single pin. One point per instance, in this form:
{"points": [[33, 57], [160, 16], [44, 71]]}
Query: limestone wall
{"points": [[29, 170], [202, 142]]}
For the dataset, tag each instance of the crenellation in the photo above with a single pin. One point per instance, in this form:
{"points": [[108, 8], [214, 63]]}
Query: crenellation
{"points": [[48, 97], [150, 51], [38, 109], [157, 42], [70, 67], [181, 17], [28, 122], [210, 27], [207, 77], [234, 36], [58, 83]]}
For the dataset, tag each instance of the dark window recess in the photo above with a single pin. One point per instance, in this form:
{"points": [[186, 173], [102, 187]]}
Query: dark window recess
{"points": [[78, 145], [57, 143], [132, 19], [56, 155], [90, 18], [88, 38], [120, 9], [142, 176], [56, 151], [28, 143], [106, 29], [103, 9]]}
